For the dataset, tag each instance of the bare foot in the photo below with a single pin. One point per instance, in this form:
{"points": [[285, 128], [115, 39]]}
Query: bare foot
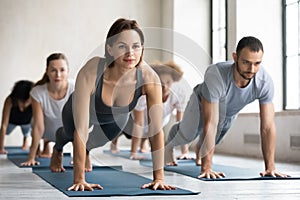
{"points": [[198, 157], [144, 147], [135, 156], [42, 155], [169, 156], [25, 145], [3, 151], [184, 156], [56, 161], [113, 148], [88, 164], [172, 164], [144, 150], [46, 151], [198, 162]]}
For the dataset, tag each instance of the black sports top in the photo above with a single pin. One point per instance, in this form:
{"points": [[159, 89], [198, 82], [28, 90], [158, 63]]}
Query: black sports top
{"points": [[113, 119], [18, 117]]}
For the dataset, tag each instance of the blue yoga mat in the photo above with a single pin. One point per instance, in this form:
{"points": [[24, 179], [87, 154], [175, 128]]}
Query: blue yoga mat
{"points": [[16, 150], [114, 180], [126, 154], [189, 168], [44, 162]]}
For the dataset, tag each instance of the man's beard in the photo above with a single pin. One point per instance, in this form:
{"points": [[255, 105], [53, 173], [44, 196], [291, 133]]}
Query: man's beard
{"points": [[241, 73]]}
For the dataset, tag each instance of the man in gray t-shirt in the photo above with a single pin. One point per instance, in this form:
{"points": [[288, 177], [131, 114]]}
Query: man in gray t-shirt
{"points": [[215, 103]]}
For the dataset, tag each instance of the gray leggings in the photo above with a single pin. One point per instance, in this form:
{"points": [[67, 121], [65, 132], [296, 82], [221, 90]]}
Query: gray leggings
{"points": [[191, 126], [26, 129]]}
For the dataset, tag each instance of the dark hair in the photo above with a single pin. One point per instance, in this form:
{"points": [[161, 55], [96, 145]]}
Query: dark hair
{"points": [[21, 91], [250, 42], [54, 56], [170, 68], [117, 27]]}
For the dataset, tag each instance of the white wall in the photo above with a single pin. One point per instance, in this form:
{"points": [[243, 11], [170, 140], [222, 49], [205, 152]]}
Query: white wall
{"points": [[192, 40], [262, 19], [288, 128], [32, 30]]}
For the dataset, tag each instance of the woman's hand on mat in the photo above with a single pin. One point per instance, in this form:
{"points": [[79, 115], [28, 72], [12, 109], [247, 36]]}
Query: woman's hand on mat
{"points": [[30, 163], [84, 186], [273, 173], [210, 174], [158, 184]]}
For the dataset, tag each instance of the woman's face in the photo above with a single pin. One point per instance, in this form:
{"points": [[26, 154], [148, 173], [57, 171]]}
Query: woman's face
{"points": [[126, 50], [58, 71], [166, 81]]}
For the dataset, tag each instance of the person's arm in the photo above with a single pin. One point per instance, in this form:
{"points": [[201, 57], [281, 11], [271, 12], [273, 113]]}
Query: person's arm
{"points": [[268, 139], [79, 166], [137, 132], [5, 120], [37, 132], [84, 87], [153, 92], [210, 113]]}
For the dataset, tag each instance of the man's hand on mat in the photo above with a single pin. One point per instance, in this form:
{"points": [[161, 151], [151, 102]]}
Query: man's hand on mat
{"points": [[158, 184], [273, 173], [84, 186], [210, 174], [30, 163]]}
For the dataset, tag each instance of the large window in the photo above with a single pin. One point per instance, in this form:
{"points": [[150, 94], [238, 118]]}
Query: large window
{"points": [[291, 52], [219, 30]]}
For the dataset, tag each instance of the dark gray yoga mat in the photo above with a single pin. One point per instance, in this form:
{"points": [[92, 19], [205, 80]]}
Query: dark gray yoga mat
{"points": [[17, 159], [189, 168], [114, 180], [16, 150]]}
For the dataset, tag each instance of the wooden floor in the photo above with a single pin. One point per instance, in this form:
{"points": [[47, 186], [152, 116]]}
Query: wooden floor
{"points": [[19, 183]]}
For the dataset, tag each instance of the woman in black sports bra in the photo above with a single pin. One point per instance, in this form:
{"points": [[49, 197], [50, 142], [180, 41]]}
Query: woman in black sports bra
{"points": [[106, 91], [17, 111]]}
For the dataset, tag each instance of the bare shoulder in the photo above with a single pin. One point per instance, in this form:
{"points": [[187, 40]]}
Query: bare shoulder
{"points": [[149, 74], [90, 67], [8, 102], [87, 76]]}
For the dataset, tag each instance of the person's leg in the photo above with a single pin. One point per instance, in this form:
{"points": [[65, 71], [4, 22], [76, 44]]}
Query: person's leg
{"points": [[198, 157], [57, 155], [144, 145], [184, 152], [26, 130], [114, 145], [10, 128], [46, 153], [63, 136], [185, 131], [88, 163]]}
